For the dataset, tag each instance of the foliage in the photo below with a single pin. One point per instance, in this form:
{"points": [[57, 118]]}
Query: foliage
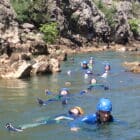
{"points": [[21, 8], [108, 11], [136, 9], [50, 31], [33, 11], [134, 25], [38, 12]]}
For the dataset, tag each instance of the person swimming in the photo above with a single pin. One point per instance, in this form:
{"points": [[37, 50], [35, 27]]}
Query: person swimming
{"points": [[63, 96], [93, 84], [84, 64], [102, 116], [73, 113]]}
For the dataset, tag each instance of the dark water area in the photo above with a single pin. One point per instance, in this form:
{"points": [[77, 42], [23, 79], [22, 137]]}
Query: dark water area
{"points": [[18, 101]]}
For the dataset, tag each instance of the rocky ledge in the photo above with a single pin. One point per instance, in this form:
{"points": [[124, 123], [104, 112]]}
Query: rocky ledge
{"points": [[132, 66]]}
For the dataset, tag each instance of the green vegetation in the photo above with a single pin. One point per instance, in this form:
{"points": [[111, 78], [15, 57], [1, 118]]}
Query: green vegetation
{"points": [[33, 11], [134, 25], [108, 11], [136, 9], [36, 12], [21, 8], [50, 31]]}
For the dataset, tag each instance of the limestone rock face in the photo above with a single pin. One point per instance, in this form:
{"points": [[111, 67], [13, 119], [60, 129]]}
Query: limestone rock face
{"points": [[19, 69], [86, 19], [8, 25], [132, 66], [122, 28]]}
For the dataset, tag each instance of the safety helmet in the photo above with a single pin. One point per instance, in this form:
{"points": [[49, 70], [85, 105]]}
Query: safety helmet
{"points": [[84, 62], [107, 66], [104, 104], [63, 89], [93, 81], [80, 110], [66, 89]]}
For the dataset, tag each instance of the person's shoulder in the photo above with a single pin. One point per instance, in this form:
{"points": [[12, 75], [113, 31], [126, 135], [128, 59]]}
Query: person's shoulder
{"points": [[90, 118]]}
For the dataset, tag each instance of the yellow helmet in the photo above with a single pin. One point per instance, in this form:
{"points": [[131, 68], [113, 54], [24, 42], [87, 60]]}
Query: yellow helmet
{"points": [[81, 111]]}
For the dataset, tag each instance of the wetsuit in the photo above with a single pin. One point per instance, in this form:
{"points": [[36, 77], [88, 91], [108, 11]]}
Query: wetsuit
{"points": [[97, 85], [48, 120], [63, 98], [89, 119]]}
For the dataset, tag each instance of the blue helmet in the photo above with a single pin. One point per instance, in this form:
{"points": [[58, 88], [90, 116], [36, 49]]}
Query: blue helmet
{"points": [[85, 62], [66, 89], [107, 66], [104, 104]]}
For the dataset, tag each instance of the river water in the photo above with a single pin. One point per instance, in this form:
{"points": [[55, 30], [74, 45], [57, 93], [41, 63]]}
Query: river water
{"points": [[18, 101]]}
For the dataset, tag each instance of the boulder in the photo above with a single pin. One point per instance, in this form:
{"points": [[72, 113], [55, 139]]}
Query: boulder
{"points": [[132, 66], [20, 69]]}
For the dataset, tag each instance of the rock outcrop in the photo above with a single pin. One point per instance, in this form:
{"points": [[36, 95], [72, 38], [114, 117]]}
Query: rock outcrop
{"points": [[19, 45], [24, 53], [132, 66]]}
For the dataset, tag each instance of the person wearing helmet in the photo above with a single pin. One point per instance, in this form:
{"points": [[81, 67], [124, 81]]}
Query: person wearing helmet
{"points": [[93, 84], [63, 96], [107, 67], [102, 116], [84, 65], [104, 108], [73, 113]]}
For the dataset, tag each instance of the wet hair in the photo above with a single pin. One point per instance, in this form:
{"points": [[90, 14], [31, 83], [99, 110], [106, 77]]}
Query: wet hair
{"points": [[80, 110]]}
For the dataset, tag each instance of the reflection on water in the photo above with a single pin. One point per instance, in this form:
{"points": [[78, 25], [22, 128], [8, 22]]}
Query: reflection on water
{"points": [[19, 106], [13, 83]]}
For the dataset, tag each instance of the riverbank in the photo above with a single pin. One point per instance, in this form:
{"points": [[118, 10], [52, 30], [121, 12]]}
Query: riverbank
{"points": [[22, 65]]}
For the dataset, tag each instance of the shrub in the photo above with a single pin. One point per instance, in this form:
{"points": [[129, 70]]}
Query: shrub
{"points": [[50, 31], [21, 8], [109, 12], [134, 25]]}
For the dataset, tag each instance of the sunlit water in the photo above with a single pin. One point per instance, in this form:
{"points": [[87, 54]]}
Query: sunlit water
{"points": [[18, 101]]}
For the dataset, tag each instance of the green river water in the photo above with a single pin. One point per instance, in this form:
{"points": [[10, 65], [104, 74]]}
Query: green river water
{"points": [[18, 101]]}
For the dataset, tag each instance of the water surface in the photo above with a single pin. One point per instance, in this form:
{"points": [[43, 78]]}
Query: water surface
{"points": [[18, 101]]}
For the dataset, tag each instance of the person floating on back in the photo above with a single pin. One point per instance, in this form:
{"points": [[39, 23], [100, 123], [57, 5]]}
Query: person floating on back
{"points": [[93, 85], [73, 113], [63, 96]]}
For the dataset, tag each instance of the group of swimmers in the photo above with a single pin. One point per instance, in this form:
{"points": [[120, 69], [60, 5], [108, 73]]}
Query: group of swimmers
{"points": [[75, 114]]}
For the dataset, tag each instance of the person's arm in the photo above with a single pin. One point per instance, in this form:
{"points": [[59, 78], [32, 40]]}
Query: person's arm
{"points": [[47, 92], [63, 118]]}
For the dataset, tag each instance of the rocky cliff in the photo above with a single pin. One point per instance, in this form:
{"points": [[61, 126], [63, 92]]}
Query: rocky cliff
{"points": [[23, 51]]}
